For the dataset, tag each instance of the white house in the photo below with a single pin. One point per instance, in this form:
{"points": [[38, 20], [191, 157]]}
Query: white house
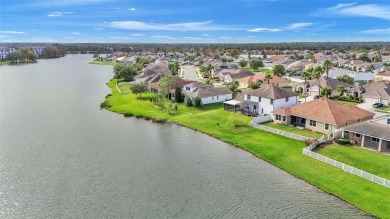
{"points": [[266, 99], [207, 92]]}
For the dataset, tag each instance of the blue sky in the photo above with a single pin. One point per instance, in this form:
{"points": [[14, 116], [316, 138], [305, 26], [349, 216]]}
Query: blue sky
{"points": [[194, 21]]}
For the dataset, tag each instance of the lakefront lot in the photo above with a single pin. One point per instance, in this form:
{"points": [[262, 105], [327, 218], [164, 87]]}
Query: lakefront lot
{"points": [[282, 152]]}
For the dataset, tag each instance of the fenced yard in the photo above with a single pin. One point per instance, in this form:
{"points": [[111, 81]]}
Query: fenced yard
{"points": [[280, 132], [123, 87]]}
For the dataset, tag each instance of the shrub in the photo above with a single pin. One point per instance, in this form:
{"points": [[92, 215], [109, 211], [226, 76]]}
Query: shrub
{"points": [[237, 120], [108, 95], [342, 141], [188, 101], [197, 102], [128, 115], [309, 141]]}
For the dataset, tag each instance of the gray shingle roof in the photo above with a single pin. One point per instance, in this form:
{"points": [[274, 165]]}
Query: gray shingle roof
{"points": [[372, 129], [272, 92], [205, 90]]}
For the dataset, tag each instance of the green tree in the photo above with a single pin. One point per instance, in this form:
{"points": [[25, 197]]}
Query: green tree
{"points": [[139, 89], [242, 63], [327, 66], [345, 78], [174, 67], [256, 84], [178, 95], [164, 86], [14, 57], [256, 64], [326, 91], [370, 68], [188, 101], [197, 102], [341, 90], [364, 57], [279, 70], [125, 71]]}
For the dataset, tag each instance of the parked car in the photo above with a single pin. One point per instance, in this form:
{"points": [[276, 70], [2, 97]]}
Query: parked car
{"points": [[377, 105], [316, 97]]}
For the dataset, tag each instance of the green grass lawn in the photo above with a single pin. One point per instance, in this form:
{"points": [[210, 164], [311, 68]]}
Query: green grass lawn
{"points": [[282, 152], [125, 87], [369, 161], [347, 102], [385, 109], [266, 70], [102, 63], [4, 63], [294, 130]]}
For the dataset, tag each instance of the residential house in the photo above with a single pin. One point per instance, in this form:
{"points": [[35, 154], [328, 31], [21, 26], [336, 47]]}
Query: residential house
{"points": [[263, 100], [373, 134], [153, 73], [216, 71], [177, 82], [126, 59], [230, 75], [377, 92], [321, 115], [313, 87], [358, 77], [246, 81], [207, 93]]}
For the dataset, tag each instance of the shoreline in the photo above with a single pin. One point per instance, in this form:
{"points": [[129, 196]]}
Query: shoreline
{"points": [[377, 211]]}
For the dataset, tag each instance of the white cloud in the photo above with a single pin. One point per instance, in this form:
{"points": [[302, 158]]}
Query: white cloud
{"points": [[192, 38], [75, 33], [352, 9], [98, 28], [165, 37], [120, 38], [312, 34], [205, 34], [3, 36], [377, 31], [190, 26], [12, 32], [224, 37], [131, 9], [59, 13], [298, 25], [137, 34], [261, 29]]}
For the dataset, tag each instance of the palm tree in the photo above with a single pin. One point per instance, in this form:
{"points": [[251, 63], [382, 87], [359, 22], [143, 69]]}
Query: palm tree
{"points": [[234, 88], [305, 75], [255, 85], [317, 72], [268, 77], [327, 66]]}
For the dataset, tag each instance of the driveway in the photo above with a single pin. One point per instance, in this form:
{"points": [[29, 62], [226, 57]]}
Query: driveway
{"points": [[368, 107], [189, 73]]}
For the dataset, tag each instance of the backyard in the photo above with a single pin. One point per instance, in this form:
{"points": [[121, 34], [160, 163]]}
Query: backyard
{"points": [[369, 161], [304, 132], [282, 152], [103, 63]]}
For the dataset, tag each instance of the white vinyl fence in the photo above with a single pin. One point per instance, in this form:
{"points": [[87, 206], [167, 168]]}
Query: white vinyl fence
{"points": [[347, 168], [123, 83], [279, 132]]}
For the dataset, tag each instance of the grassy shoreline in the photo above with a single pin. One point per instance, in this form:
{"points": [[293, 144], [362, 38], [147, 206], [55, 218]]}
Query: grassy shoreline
{"points": [[102, 63], [282, 152]]}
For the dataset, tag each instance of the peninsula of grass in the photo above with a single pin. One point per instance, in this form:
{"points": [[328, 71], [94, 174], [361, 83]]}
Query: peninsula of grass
{"points": [[303, 132], [367, 160], [282, 152], [102, 63]]}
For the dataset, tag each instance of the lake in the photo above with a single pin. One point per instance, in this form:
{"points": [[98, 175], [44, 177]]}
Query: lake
{"points": [[63, 157]]}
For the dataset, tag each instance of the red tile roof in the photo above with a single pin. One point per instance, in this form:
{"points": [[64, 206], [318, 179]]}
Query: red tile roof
{"points": [[326, 110]]}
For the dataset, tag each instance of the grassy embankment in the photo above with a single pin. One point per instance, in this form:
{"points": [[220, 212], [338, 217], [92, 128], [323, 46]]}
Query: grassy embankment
{"points": [[378, 164], [4, 63], [282, 152], [102, 63], [384, 109]]}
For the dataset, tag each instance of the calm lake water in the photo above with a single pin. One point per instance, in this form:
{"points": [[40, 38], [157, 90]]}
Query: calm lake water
{"points": [[63, 157]]}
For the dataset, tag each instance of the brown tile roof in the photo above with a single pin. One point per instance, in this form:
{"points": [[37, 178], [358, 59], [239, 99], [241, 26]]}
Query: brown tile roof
{"points": [[261, 76], [326, 110], [272, 92]]}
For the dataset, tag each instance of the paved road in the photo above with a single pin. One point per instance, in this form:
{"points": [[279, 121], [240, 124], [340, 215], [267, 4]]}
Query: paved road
{"points": [[189, 73]]}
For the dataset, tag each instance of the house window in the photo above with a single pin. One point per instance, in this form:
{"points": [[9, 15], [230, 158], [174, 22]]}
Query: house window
{"points": [[217, 97], [374, 139], [271, 102], [278, 117], [313, 123], [326, 126], [284, 118], [188, 88], [286, 99], [212, 98], [357, 135], [259, 99], [248, 97]]}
